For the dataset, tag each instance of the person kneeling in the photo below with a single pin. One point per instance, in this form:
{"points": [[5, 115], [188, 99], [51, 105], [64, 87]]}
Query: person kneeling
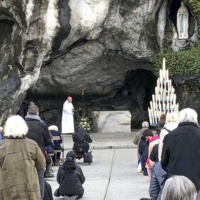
{"points": [[70, 177]]}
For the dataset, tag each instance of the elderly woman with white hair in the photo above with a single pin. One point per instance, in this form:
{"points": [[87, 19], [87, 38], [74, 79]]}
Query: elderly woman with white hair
{"points": [[181, 152], [170, 124], [179, 187], [20, 160], [53, 129]]}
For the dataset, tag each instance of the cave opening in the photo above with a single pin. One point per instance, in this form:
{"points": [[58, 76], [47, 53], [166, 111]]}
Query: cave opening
{"points": [[134, 95]]}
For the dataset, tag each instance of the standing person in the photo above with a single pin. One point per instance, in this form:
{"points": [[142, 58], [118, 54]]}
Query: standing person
{"points": [[39, 133], [171, 124], [70, 177], [144, 148], [20, 160], [152, 142], [157, 177], [136, 141], [181, 152], [160, 124], [68, 117]]}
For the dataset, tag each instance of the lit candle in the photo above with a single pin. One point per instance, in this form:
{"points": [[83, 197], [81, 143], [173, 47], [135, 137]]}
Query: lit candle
{"points": [[161, 76], [164, 74], [167, 75], [158, 82], [153, 97], [174, 98], [150, 120], [164, 64], [170, 85]]}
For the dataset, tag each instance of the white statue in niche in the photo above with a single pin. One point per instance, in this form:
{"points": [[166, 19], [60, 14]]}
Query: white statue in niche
{"points": [[182, 21]]}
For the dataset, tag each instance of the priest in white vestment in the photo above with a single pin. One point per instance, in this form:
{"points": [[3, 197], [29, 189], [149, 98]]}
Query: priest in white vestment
{"points": [[68, 116]]}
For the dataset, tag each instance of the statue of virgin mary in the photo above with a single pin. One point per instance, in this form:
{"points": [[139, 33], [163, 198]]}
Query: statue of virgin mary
{"points": [[182, 22]]}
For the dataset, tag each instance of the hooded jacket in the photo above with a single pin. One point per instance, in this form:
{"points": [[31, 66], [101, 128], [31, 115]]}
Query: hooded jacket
{"points": [[71, 183]]}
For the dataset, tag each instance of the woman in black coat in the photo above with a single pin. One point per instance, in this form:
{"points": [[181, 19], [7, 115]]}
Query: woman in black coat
{"points": [[70, 177], [181, 152]]}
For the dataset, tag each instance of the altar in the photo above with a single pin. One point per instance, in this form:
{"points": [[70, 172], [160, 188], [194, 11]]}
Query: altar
{"points": [[112, 121]]}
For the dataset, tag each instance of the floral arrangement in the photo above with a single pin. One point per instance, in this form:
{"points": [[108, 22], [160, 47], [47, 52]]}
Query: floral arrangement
{"points": [[85, 123]]}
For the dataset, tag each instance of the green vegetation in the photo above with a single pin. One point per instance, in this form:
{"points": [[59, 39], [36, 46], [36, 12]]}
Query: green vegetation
{"points": [[182, 62]]}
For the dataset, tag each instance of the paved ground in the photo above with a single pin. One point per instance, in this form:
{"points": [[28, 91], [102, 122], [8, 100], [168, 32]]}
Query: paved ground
{"points": [[113, 174]]}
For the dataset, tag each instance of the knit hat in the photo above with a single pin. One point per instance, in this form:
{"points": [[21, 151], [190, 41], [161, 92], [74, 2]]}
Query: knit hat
{"points": [[148, 132]]}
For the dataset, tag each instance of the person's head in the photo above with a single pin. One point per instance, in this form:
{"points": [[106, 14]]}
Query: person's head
{"points": [[15, 127], [188, 115], [70, 163], [171, 117], [69, 99], [33, 110], [162, 117], [145, 124], [53, 128], [148, 134], [82, 130], [179, 187]]}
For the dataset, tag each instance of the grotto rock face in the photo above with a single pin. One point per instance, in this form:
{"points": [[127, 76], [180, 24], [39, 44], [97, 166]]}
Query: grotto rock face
{"points": [[51, 49]]}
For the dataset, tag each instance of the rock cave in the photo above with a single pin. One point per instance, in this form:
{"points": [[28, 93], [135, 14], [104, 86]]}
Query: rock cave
{"points": [[50, 50]]}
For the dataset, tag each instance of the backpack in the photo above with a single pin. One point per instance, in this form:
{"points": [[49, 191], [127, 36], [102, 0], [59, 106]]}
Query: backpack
{"points": [[48, 192]]}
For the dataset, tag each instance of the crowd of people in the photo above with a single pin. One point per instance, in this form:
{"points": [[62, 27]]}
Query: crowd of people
{"points": [[27, 153], [169, 157]]}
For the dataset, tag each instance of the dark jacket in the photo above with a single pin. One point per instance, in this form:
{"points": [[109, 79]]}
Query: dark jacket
{"points": [[38, 132], [157, 181], [181, 152], [157, 177], [144, 149], [83, 144], [70, 184], [56, 145], [159, 126]]}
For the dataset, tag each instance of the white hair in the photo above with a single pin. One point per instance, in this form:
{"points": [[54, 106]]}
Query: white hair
{"points": [[188, 115], [15, 127], [53, 128], [145, 124], [171, 117], [179, 187]]}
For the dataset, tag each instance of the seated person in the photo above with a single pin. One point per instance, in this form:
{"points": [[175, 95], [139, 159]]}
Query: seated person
{"points": [[81, 138], [70, 177], [56, 144]]}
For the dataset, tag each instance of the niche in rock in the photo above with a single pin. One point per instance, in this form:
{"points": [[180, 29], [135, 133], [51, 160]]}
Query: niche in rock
{"points": [[174, 5]]}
